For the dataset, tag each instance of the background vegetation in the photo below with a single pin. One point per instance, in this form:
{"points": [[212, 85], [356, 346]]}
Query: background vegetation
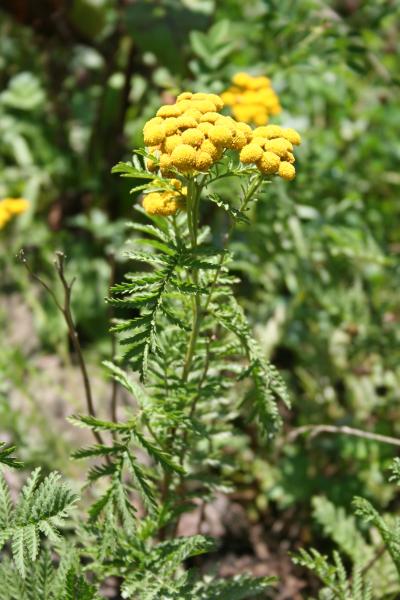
{"points": [[318, 267]]}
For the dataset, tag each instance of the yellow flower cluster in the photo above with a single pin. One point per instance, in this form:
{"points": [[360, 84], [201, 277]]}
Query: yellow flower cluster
{"points": [[271, 149], [166, 203], [191, 135], [252, 99], [9, 207]]}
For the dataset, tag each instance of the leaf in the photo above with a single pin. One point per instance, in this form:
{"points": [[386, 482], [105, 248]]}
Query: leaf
{"points": [[97, 450], [7, 459], [240, 587], [77, 588], [236, 214], [137, 391], [126, 169], [142, 483]]}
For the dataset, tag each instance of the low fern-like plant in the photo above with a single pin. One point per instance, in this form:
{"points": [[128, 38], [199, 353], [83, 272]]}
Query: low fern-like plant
{"points": [[372, 570], [42, 509]]}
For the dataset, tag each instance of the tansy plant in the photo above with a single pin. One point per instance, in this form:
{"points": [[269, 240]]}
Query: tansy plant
{"points": [[199, 371]]}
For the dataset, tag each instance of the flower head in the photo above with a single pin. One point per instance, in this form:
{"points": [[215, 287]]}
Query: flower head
{"points": [[188, 137], [165, 203], [271, 150], [183, 157], [191, 135], [287, 171]]}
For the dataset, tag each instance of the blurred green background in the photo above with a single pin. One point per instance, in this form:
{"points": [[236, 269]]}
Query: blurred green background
{"points": [[319, 267]]}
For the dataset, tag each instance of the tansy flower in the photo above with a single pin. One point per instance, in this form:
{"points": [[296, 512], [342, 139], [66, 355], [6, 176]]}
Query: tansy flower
{"points": [[280, 146], [191, 135], [287, 171], [269, 163], [203, 161], [183, 157], [164, 203], [251, 153], [271, 150], [154, 134], [10, 207], [251, 99]]}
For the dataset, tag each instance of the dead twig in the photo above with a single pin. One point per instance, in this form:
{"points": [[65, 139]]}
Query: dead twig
{"points": [[65, 310], [315, 430]]}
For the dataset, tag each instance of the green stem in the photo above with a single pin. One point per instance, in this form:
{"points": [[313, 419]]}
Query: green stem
{"points": [[251, 190], [193, 199]]}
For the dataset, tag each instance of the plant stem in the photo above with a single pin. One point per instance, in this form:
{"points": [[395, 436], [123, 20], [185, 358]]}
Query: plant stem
{"points": [[253, 187], [193, 198]]}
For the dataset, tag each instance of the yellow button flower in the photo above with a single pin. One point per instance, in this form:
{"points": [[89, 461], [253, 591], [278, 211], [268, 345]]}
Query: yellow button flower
{"points": [[271, 131], [172, 142], [269, 163], [220, 135], [187, 121], [170, 110], [163, 203], [183, 157], [280, 146], [171, 125], [154, 134], [251, 154], [203, 161], [209, 117], [184, 96], [211, 149], [204, 106], [287, 171], [292, 135], [193, 137], [246, 129], [165, 162]]}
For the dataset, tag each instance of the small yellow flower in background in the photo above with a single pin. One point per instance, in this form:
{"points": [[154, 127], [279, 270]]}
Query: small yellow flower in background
{"points": [[10, 207], [251, 99]]}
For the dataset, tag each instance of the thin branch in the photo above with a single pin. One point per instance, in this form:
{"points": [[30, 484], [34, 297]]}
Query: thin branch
{"points": [[22, 257], [65, 310], [315, 430], [378, 554]]}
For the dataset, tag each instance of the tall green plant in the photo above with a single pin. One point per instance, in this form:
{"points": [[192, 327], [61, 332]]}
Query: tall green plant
{"points": [[197, 370]]}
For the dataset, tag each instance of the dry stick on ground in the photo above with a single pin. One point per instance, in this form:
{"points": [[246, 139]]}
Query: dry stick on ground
{"points": [[315, 430], [65, 310]]}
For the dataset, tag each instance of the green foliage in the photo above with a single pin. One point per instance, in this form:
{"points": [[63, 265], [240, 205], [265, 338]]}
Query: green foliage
{"points": [[334, 577], [314, 270], [375, 568], [42, 509]]}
